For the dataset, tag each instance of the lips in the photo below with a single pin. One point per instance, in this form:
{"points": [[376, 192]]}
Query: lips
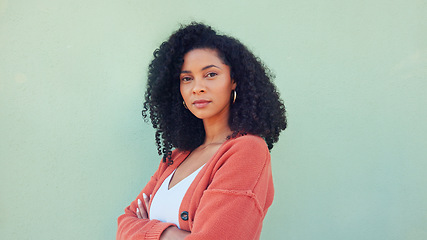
{"points": [[201, 103]]}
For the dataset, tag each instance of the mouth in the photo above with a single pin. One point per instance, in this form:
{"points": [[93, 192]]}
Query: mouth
{"points": [[201, 103]]}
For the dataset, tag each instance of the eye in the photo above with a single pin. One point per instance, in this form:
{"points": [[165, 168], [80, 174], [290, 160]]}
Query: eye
{"points": [[211, 74], [185, 79]]}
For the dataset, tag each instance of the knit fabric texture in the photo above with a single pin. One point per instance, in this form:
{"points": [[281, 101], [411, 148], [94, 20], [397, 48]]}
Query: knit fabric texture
{"points": [[228, 199]]}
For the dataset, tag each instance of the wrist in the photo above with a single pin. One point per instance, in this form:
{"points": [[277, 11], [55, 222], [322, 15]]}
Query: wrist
{"points": [[166, 233], [173, 233]]}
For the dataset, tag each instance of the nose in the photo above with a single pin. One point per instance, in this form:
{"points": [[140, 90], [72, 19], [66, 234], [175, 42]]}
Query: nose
{"points": [[199, 86]]}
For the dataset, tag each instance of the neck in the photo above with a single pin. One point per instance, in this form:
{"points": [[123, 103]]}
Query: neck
{"points": [[216, 131]]}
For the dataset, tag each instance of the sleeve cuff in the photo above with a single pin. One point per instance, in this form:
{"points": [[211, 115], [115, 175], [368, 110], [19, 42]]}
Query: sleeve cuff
{"points": [[157, 229]]}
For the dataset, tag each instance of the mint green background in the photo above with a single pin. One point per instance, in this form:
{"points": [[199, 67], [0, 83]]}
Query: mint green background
{"points": [[74, 150]]}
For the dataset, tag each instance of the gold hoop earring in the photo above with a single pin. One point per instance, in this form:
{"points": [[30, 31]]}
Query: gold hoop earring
{"points": [[185, 105], [234, 96]]}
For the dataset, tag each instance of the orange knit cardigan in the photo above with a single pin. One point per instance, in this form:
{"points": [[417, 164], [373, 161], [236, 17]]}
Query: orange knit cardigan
{"points": [[228, 199]]}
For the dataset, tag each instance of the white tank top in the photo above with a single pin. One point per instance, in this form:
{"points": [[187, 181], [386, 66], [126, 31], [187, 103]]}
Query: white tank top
{"points": [[165, 204]]}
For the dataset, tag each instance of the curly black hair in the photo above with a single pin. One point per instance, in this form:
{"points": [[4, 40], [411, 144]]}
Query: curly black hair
{"points": [[257, 110]]}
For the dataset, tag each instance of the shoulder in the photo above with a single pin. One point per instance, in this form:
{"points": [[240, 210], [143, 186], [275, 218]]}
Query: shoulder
{"points": [[248, 142], [246, 151], [240, 163], [177, 156], [178, 153]]}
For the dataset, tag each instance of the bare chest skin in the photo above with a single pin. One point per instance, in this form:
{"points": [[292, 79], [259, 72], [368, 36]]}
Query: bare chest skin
{"points": [[194, 161]]}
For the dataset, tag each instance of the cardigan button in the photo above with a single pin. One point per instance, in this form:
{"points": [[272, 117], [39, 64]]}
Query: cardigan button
{"points": [[184, 215]]}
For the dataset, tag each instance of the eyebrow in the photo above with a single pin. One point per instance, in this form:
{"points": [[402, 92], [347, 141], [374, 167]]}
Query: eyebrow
{"points": [[204, 68]]}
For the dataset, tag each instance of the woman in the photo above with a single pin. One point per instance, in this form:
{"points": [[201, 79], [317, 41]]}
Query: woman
{"points": [[213, 101]]}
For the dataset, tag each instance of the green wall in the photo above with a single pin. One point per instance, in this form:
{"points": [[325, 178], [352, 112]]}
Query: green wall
{"points": [[74, 150]]}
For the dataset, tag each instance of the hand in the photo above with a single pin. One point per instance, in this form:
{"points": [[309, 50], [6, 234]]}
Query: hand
{"points": [[170, 233], [140, 209]]}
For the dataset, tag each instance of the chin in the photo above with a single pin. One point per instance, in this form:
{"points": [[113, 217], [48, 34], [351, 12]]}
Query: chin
{"points": [[200, 115]]}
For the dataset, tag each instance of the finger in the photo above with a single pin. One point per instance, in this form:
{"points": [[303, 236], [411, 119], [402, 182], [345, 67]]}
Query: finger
{"points": [[138, 213], [146, 200], [142, 209]]}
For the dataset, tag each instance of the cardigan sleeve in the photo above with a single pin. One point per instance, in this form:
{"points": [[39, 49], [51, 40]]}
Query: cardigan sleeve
{"points": [[130, 227], [237, 199]]}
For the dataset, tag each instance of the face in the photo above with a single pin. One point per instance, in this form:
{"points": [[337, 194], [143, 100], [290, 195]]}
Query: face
{"points": [[206, 84]]}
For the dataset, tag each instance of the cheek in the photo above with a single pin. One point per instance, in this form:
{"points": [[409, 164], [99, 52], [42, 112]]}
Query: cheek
{"points": [[182, 91], [226, 91], [227, 96], [186, 92], [223, 96]]}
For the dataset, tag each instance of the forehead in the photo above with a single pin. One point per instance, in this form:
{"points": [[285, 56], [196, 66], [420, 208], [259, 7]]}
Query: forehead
{"points": [[198, 57]]}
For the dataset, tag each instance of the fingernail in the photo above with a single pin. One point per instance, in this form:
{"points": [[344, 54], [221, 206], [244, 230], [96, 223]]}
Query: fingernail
{"points": [[139, 201], [144, 195]]}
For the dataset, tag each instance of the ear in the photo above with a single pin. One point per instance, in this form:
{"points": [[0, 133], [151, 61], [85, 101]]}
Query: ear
{"points": [[234, 85]]}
